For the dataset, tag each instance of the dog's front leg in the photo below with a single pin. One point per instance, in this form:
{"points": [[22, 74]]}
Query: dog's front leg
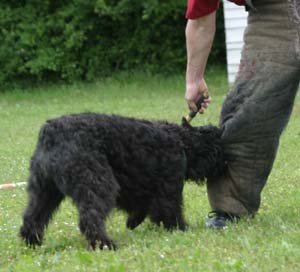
{"points": [[168, 211]]}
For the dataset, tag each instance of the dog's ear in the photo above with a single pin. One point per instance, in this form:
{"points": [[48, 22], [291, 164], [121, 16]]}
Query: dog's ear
{"points": [[185, 123]]}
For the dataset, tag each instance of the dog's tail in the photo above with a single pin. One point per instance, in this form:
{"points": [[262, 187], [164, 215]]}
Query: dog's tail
{"points": [[48, 136]]}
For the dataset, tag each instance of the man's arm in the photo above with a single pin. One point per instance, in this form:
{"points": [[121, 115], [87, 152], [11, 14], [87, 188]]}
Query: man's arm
{"points": [[199, 38]]}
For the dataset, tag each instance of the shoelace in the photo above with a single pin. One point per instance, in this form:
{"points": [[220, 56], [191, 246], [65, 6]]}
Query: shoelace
{"points": [[229, 216]]}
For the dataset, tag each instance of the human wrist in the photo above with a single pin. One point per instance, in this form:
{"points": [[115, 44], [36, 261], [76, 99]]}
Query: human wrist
{"points": [[194, 73]]}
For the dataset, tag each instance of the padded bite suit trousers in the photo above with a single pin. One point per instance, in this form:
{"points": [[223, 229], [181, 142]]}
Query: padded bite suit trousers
{"points": [[259, 105]]}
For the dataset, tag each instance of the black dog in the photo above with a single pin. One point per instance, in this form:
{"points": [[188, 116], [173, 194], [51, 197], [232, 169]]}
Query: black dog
{"points": [[103, 162]]}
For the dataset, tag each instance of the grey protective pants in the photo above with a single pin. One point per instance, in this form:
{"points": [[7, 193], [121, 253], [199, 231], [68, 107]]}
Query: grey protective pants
{"points": [[258, 107]]}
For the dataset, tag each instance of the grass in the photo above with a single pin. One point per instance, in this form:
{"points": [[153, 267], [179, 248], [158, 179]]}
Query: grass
{"points": [[269, 242]]}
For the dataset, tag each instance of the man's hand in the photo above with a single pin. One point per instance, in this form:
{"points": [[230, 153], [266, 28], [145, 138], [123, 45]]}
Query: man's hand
{"points": [[193, 93]]}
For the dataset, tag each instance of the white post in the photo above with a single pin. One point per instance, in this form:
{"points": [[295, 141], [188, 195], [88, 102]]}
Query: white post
{"points": [[235, 23]]}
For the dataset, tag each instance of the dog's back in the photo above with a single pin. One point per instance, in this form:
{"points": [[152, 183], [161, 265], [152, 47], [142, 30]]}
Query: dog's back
{"points": [[120, 138]]}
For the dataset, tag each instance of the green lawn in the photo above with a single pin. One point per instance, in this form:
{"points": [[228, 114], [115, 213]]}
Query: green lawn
{"points": [[270, 242]]}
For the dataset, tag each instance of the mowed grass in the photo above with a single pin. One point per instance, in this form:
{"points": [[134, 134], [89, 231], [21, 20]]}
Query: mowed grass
{"points": [[269, 242]]}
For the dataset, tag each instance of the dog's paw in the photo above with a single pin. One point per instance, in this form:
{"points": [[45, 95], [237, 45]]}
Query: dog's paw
{"points": [[104, 244], [134, 220], [173, 226], [183, 227], [31, 237], [108, 244], [132, 223]]}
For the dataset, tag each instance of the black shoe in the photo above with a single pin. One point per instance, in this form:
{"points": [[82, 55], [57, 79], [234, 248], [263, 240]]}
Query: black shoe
{"points": [[219, 220]]}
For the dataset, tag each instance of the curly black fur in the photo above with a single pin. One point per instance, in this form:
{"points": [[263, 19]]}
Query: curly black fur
{"points": [[103, 162]]}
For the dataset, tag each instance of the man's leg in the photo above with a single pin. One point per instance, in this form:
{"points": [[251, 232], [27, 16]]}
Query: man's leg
{"points": [[257, 109]]}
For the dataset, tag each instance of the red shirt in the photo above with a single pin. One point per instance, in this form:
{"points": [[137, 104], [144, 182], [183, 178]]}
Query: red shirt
{"points": [[199, 8]]}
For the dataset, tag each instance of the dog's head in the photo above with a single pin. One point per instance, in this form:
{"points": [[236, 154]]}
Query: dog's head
{"points": [[204, 152]]}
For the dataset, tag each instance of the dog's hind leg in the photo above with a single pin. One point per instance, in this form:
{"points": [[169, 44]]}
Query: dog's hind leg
{"points": [[44, 199], [93, 188]]}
